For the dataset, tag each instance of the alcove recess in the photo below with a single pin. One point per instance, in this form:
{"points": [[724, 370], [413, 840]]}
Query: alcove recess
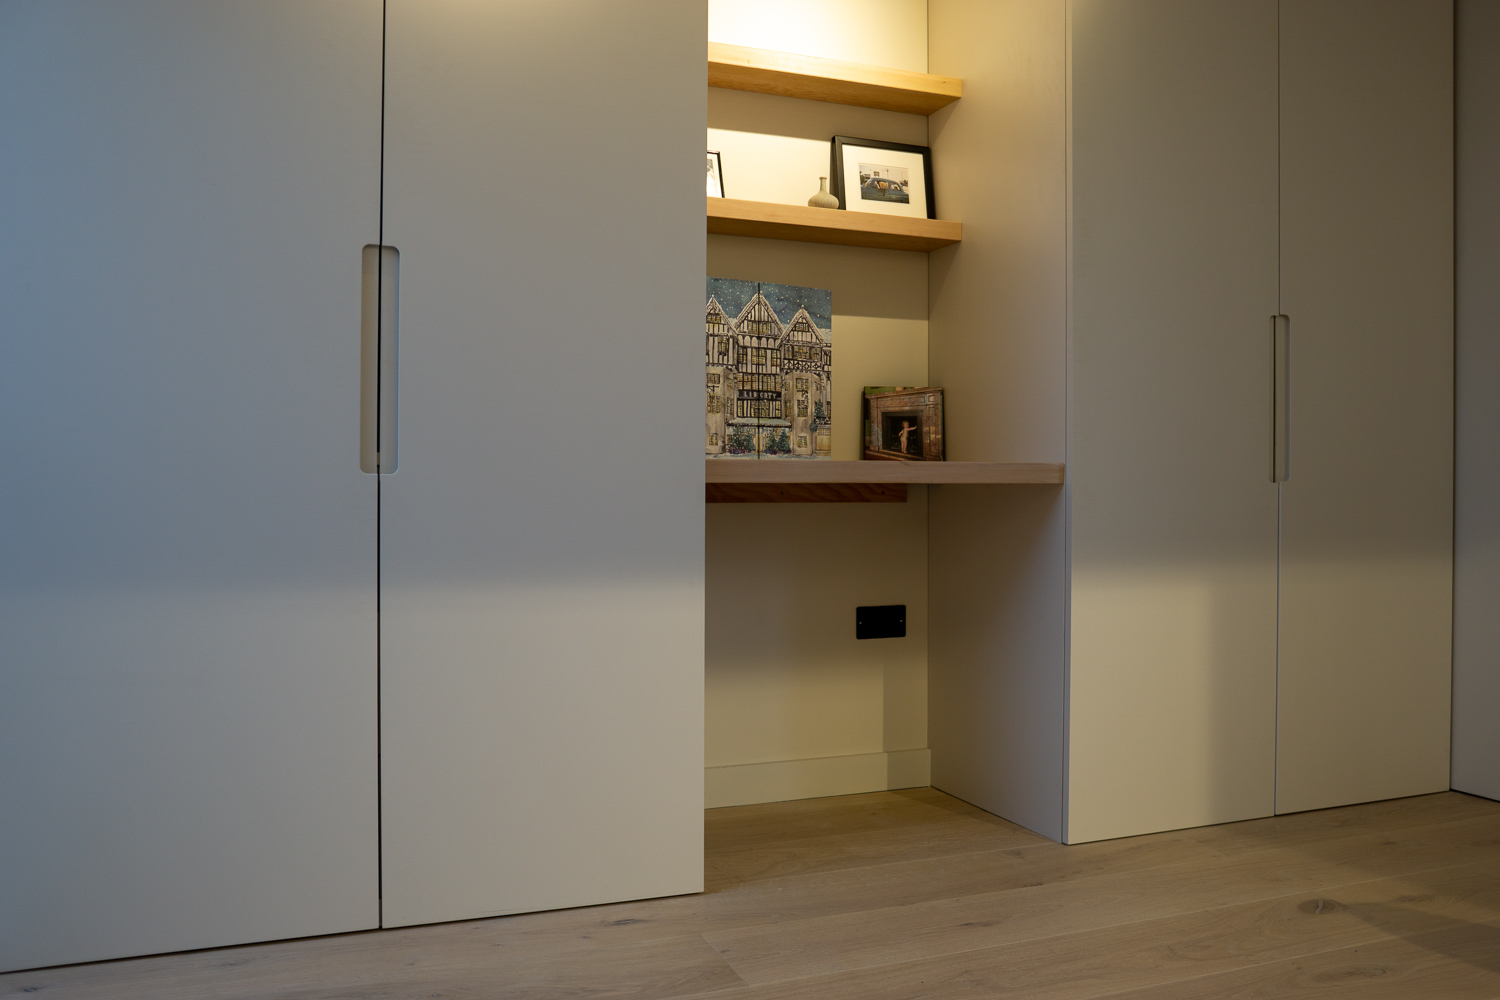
{"points": [[735, 67]]}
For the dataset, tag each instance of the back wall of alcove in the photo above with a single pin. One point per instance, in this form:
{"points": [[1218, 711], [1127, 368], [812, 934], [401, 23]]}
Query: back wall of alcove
{"points": [[796, 706]]}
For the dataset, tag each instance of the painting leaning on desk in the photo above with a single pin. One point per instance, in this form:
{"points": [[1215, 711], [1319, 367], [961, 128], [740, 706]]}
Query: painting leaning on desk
{"points": [[768, 361]]}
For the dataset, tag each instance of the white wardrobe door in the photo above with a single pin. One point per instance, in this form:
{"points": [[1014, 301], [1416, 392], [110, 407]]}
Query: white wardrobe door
{"points": [[1476, 575], [1367, 280], [1171, 707], [187, 564], [542, 538]]}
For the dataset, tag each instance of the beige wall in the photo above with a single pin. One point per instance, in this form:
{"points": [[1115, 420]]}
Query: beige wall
{"points": [[878, 32], [795, 705], [787, 680], [775, 148]]}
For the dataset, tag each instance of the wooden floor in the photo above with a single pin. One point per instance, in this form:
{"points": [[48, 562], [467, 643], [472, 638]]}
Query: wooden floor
{"points": [[915, 894]]}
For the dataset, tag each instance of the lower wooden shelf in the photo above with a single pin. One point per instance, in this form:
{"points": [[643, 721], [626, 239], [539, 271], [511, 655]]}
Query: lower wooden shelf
{"points": [[804, 493], [811, 481], [733, 217]]}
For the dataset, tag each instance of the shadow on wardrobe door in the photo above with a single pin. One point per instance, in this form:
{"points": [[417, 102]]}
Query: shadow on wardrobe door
{"points": [[542, 543], [187, 564], [1367, 512], [1476, 577], [1173, 512]]}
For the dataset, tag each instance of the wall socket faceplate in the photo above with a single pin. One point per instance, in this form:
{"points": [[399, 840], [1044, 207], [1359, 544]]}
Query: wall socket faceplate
{"points": [[881, 621]]}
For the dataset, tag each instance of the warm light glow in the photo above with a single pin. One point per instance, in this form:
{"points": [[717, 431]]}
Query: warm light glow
{"points": [[889, 33]]}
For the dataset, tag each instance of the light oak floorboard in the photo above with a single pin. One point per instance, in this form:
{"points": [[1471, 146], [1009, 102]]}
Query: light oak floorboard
{"points": [[1390, 815], [840, 852], [885, 883], [773, 901], [411, 962], [740, 827], [1191, 948], [912, 894], [1456, 963], [819, 945]]}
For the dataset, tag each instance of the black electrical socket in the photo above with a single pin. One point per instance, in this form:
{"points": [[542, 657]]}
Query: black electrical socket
{"points": [[883, 621]]}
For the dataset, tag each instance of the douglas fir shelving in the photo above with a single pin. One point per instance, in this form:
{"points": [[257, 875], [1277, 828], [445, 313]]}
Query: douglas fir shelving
{"points": [[734, 217], [735, 67], [798, 481]]}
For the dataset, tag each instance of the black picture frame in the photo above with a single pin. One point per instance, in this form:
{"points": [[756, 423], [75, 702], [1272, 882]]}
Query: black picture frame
{"points": [[836, 169], [718, 162]]}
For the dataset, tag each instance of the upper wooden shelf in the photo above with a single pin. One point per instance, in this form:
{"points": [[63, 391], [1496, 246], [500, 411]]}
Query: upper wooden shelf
{"points": [[792, 470], [735, 67], [733, 217]]}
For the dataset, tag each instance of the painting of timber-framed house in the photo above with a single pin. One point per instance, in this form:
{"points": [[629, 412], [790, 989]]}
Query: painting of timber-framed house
{"points": [[768, 360]]}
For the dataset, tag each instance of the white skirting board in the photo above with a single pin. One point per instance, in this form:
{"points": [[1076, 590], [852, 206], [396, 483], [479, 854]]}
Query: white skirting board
{"points": [[780, 780]]}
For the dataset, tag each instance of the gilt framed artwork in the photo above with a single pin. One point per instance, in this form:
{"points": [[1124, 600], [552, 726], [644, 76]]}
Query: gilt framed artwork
{"points": [[768, 367]]}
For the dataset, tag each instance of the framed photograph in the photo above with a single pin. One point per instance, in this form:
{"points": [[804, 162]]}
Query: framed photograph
{"points": [[903, 424], [887, 178], [715, 174]]}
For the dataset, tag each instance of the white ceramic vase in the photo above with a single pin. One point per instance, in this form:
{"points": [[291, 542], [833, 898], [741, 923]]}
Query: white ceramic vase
{"points": [[823, 199]]}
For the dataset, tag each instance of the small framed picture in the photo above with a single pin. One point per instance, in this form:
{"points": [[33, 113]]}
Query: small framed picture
{"points": [[715, 174], [904, 424], [887, 178]]}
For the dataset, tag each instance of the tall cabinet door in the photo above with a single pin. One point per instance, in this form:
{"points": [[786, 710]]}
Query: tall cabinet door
{"points": [[1367, 281], [1171, 707], [187, 558], [1476, 534], [542, 534]]}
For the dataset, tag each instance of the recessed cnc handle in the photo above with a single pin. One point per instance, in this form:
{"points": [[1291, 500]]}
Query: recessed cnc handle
{"points": [[1281, 411], [379, 357]]}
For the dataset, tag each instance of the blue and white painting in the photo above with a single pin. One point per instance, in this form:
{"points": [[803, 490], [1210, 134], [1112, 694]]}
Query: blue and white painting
{"points": [[768, 356]]}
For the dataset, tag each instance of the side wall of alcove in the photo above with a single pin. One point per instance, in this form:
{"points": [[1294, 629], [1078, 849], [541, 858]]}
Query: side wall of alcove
{"points": [[999, 347]]}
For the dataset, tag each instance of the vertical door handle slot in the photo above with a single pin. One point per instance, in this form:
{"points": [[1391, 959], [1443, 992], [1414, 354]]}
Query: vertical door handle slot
{"points": [[1281, 377], [379, 357]]}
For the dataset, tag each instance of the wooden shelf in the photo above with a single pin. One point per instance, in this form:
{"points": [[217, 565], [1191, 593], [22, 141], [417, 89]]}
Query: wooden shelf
{"points": [[804, 493], [780, 480], [733, 217], [735, 67], [793, 470]]}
